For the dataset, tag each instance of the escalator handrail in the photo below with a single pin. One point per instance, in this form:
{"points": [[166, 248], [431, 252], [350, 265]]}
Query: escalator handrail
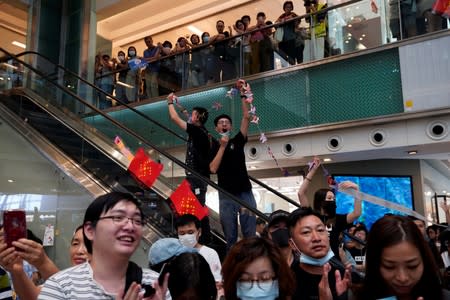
{"points": [[143, 140], [100, 91], [150, 119]]}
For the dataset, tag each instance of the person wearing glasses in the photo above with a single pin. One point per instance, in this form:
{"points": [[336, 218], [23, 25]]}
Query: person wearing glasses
{"points": [[112, 230], [255, 269], [229, 164], [325, 203]]}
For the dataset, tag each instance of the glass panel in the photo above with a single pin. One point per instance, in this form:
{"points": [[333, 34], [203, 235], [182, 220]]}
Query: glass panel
{"points": [[64, 102]]}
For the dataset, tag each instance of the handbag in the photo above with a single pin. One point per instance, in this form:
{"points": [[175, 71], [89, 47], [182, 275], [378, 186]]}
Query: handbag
{"points": [[279, 33]]}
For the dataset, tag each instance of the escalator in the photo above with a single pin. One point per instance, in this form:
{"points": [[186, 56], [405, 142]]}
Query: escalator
{"points": [[51, 100]]}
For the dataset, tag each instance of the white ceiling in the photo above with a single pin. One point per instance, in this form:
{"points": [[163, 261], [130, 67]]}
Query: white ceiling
{"points": [[137, 19]]}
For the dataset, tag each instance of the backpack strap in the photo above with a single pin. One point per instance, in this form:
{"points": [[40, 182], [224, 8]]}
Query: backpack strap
{"points": [[134, 274]]}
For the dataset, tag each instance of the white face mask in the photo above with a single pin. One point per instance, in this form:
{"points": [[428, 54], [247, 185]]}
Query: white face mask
{"points": [[188, 240], [121, 57]]}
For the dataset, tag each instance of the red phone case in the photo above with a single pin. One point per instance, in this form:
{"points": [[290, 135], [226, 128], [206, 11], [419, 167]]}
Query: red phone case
{"points": [[14, 225]]}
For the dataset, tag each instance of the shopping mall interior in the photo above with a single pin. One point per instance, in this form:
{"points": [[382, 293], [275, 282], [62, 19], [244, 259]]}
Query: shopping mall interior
{"points": [[376, 113]]}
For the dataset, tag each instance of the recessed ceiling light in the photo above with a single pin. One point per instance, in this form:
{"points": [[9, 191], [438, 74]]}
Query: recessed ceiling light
{"points": [[10, 180], [327, 159], [19, 44], [253, 167], [412, 152]]}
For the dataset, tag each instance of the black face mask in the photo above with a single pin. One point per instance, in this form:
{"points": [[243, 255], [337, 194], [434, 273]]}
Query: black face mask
{"points": [[329, 208], [280, 237]]}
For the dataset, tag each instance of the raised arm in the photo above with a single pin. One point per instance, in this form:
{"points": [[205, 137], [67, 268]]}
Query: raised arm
{"points": [[302, 198], [446, 209], [245, 122], [173, 113], [357, 206]]}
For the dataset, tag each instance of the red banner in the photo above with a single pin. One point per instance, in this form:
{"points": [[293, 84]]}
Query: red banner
{"points": [[145, 169], [185, 201]]}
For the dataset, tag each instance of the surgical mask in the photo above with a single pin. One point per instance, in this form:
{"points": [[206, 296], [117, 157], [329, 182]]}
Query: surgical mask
{"points": [[281, 237], [329, 208], [257, 290], [205, 39], [316, 261], [121, 57], [132, 53], [188, 240]]}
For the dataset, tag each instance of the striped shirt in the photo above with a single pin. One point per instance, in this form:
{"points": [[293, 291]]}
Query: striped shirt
{"points": [[78, 283]]}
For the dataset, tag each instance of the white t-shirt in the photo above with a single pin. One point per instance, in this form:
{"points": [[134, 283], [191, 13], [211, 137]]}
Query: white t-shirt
{"points": [[213, 260], [78, 283]]}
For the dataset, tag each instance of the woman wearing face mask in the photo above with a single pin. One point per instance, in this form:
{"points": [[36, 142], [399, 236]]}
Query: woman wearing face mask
{"points": [[122, 68], [197, 76], [399, 263], [255, 269], [325, 204], [132, 77], [208, 58]]}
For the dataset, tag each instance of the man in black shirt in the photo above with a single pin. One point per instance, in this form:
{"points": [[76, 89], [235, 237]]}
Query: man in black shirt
{"points": [[197, 155], [309, 238], [229, 164]]}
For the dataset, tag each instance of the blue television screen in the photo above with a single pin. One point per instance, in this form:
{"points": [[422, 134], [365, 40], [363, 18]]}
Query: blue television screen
{"points": [[397, 189]]}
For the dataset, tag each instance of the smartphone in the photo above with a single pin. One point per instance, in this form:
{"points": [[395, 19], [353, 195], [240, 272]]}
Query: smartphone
{"points": [[14, 226]]}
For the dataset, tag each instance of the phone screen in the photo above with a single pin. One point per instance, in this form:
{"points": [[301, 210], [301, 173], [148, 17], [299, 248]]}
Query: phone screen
{"points": [[14, 226]]}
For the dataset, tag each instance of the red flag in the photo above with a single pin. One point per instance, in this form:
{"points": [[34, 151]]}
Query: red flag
{"points": [[185, 201], [145, 169]]}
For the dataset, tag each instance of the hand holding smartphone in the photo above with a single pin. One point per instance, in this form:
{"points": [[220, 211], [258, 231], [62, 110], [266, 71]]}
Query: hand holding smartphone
{"points": [[14, 226]]}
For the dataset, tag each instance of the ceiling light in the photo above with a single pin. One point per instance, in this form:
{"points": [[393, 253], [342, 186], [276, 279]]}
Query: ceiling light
{"points": [[444, 192], [195, 30], [124, 84], [327, 159], [10, 66], [253, 167], [10, 180], [412, 152], [19, 44]]}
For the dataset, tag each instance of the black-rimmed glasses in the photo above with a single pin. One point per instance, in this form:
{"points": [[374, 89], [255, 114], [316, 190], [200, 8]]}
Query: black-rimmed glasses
{"points": [[122, 220], [263, 284]]}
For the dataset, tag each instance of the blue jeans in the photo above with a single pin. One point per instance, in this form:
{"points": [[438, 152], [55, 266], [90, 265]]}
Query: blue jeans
{"points": [[228, 217]]}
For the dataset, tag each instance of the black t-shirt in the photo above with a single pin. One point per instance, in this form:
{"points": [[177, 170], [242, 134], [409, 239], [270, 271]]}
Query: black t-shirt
{"points": [[198, 148], [359, 255], [232, 173], [308, 284], [334, 231]]}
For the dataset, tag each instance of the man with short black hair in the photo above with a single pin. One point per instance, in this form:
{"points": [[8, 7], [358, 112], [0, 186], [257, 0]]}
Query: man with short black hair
{"points": [[112, 232], [229, 164], [189, 232], [278, 232], [309, 238], [197, 154]]}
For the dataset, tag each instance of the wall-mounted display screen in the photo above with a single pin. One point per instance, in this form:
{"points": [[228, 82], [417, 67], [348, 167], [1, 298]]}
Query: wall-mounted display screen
{"points": [[397, 189]]}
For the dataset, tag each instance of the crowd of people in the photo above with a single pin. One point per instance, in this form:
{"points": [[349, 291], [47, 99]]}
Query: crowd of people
{"points": [[291, 259], [194, 61]]}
